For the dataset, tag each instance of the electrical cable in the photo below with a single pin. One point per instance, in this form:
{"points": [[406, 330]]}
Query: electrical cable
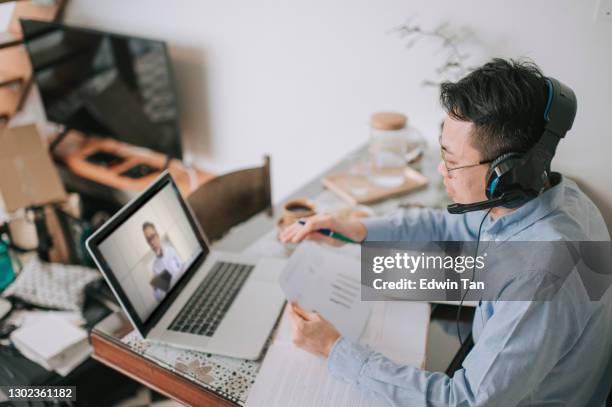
{"points": [[471, 281]]}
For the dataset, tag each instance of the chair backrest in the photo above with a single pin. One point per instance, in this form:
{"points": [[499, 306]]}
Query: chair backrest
{"points": [[229, 199]]}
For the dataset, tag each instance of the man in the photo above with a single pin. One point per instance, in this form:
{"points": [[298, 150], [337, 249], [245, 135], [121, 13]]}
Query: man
{"points": [[166, 260], [525, 353]]}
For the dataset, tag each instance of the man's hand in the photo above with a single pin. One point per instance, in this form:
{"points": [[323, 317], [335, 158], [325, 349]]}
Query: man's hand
{"points": [[296, 233], [312, 332]]}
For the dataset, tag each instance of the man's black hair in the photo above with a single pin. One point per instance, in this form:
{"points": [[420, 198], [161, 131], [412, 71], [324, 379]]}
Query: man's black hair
{"points": [[505, 100], [148, 225]]}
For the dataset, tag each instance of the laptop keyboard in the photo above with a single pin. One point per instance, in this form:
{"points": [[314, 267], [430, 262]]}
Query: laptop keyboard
{"points": [[209, 303]]}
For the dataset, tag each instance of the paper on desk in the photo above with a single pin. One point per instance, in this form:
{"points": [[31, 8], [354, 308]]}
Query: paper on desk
{"points": [[398, 330], [327, 280], [292, 377]]}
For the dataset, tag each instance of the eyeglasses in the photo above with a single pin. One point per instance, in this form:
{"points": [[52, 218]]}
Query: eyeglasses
{"points": [[450, 170]]}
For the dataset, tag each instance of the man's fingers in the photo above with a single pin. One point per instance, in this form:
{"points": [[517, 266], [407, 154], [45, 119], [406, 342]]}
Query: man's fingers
{"points": [[297, 232], [311, 225], [298, 321], [289, 232], [318, 222], [305, 315], [298, 311], [301, 233]]}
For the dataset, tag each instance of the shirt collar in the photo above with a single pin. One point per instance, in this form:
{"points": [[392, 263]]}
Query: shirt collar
{"points": [[518, 220]]}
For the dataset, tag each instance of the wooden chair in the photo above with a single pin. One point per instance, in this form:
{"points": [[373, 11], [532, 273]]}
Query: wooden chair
{"points": [[232, 198]]}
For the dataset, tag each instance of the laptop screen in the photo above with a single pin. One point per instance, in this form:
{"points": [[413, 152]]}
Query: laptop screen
{"points": [[150, 248]]}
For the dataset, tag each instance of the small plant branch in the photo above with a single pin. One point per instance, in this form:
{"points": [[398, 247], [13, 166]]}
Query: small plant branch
{"points": [[453, 67]]}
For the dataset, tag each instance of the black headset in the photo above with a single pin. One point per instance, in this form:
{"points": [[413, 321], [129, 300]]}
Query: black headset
{"points": [[515, 178]]}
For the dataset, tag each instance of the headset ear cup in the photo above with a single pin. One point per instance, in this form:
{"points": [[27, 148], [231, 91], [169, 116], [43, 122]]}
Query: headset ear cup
{"points": [[493, 179]]}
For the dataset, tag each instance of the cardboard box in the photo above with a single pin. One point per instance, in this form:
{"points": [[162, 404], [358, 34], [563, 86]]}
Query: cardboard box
{"points": [[28, 177]]}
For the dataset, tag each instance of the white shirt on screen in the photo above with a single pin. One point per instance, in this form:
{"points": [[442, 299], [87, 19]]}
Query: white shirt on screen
{"points": [[169, 260]]}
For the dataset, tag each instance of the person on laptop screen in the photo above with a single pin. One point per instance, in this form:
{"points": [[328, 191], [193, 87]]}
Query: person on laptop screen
{"points": [[167, 265]]}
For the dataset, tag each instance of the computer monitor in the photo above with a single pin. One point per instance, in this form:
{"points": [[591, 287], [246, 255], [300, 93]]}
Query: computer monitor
{"points": [[105, 84]]}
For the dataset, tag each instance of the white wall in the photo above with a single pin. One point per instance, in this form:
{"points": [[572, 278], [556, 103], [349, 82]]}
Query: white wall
{"points": [[298, 79]]}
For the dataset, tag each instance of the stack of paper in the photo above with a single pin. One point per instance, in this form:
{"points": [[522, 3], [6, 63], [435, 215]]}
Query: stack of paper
{"points": [[53, 342], [292, 377]]}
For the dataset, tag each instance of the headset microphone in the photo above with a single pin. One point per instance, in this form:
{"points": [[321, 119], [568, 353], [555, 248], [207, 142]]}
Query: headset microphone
{"points": [[506, 199]]}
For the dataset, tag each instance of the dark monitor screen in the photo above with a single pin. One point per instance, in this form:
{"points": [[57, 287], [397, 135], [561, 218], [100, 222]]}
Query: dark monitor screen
{"points": [[105, 84]]}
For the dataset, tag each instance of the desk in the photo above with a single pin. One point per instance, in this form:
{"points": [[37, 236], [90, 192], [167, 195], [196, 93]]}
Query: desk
{"points": [[189, 377]]}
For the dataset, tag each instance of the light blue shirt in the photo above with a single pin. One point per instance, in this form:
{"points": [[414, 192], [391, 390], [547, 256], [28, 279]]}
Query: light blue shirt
{"points": [[169, 261], [553, 353]]}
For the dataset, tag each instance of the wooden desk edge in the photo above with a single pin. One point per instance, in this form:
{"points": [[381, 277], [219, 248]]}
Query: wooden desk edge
{"points": [[146, 372]]}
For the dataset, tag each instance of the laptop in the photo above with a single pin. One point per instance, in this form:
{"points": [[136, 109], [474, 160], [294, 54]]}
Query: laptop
{"points": [[175, 289]]}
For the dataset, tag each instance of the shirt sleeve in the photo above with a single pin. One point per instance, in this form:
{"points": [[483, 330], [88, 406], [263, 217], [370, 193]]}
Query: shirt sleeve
{"points": [[420, 224], [517, 348]]}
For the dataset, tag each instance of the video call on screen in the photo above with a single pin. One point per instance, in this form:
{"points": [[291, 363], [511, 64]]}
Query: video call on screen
{"points": [[151, 250]]}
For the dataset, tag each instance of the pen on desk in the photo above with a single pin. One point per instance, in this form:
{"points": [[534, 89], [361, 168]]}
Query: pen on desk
{"points": [[331, 233]]}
